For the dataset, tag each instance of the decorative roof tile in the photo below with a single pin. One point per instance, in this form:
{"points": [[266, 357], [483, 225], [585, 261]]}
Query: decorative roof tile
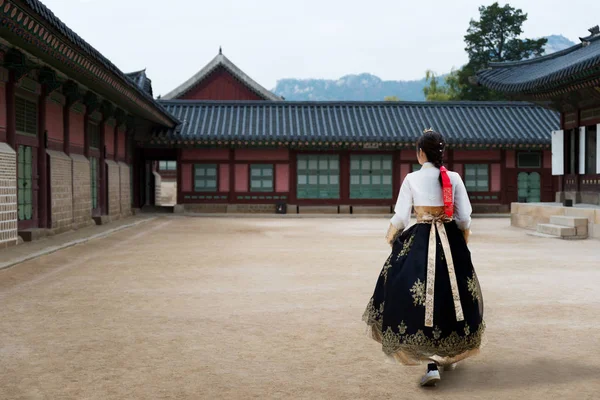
{"points": [[460, 122], [45, 13]]}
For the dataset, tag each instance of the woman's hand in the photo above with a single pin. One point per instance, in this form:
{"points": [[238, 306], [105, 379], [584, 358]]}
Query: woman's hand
{"points": [[392, 235], [466, 234]]}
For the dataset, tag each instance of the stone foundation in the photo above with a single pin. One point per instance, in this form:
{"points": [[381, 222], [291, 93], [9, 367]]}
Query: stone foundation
{"points": [[125, 195], [82, 195], [8, 196], [114, 190], [528, 216], [251, 208], [61, 192]]}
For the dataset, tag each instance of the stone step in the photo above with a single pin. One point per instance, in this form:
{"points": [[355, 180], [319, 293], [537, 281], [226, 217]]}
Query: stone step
{"points": [[568, 221], [542, 235], [557, 230]]}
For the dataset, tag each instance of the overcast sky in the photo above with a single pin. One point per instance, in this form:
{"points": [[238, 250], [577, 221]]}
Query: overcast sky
{"points": [[275, 39]]}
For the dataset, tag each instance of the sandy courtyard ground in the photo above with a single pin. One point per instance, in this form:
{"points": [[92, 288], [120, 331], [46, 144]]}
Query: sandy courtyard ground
{"points": [[198, 308]]}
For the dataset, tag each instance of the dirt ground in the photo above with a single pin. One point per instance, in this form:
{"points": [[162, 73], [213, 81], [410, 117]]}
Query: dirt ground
{"points": [[206, 308]]}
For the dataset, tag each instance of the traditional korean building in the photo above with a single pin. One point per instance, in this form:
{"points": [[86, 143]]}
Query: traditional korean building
{"points": [[68, 122], [241, 148], [568, 82]]}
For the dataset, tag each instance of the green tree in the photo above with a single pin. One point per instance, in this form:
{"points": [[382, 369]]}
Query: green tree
{"points": [[434, 92], [391, 98], [495, 37]]}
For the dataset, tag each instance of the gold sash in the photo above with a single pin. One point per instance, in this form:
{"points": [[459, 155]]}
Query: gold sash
{"points": [[436, 217]]}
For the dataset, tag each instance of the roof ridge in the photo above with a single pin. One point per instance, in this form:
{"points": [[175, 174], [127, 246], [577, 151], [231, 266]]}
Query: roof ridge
{"points": [[536, 59], [349, 103]]}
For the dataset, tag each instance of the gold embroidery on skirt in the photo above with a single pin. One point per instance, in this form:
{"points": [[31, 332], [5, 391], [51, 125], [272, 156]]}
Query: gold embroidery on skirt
{"points": [[386, 266], [418, 293], [473, 288], [419, 346], [406, 247]]}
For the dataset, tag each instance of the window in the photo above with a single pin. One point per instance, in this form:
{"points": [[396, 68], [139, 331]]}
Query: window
{"points": [[318, 177], [590, 150], [477, 178], [529, 160], [529, 187], [371, 177], [25, 183], [26, 113], [261, 178], [205, 178], [167, 165], [416, 167], [94, 135], [94, 181]]}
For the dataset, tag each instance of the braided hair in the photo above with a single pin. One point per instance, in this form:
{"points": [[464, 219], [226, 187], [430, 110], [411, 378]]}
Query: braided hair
{"points": [[433, 144]]}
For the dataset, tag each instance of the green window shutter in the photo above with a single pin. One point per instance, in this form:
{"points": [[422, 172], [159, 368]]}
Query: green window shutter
{"points": [[205, 177], [94, 181], [416, 167], [25, 183], [371, 177], [477, 177], [26, 113], [261, 177], [318, 176], [94, 135]]}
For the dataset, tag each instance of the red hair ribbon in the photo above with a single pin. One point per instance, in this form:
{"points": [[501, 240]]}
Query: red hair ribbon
{"points": [[447, 192]]}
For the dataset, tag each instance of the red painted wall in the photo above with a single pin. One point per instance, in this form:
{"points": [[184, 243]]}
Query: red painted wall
{"points": [[224, 178], [466, 155], [548, 159], [408, 155], [109, 139], [262, 155], [205, 154], [2, 112], [404, 170], [458, 168], [220, 85], [186, 177], [76, 129], [282, 175], [241, 177], [510, 159], [496, 177], [121, 144], [54, 121]]}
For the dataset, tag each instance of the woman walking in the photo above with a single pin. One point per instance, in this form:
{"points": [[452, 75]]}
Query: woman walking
{"points": [[427, 304]]}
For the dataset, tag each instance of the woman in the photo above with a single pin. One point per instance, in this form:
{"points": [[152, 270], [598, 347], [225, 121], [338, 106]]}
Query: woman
{"points": [[427, 304]]}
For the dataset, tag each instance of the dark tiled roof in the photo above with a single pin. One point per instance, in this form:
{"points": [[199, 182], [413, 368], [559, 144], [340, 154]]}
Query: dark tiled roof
{"points": [[141, 80], [544, 73], [460, 122], [44, 12]]}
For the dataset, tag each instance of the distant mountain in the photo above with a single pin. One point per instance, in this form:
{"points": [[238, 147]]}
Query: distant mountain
{"points": [[368, 87]]}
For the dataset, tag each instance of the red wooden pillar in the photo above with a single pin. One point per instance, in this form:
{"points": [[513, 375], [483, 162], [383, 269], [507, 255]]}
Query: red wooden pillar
{"points": [[42, 161], [396, 175], [11, 121], [67, 127], [116, 142], [293, 197], [232, 197], [503, 178], [180, 177], [344, 177], [103, 193]]}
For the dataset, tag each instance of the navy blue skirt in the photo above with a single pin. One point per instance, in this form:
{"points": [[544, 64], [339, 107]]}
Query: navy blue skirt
{"points": [[395, 314]]}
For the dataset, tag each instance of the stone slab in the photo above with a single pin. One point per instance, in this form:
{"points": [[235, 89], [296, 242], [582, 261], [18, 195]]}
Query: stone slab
{"points": [[556, 230], [569, 221], [371, 210], [318, 209]]}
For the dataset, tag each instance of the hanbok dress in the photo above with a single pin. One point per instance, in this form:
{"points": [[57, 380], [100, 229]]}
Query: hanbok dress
{"points": [[427, 304]]}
